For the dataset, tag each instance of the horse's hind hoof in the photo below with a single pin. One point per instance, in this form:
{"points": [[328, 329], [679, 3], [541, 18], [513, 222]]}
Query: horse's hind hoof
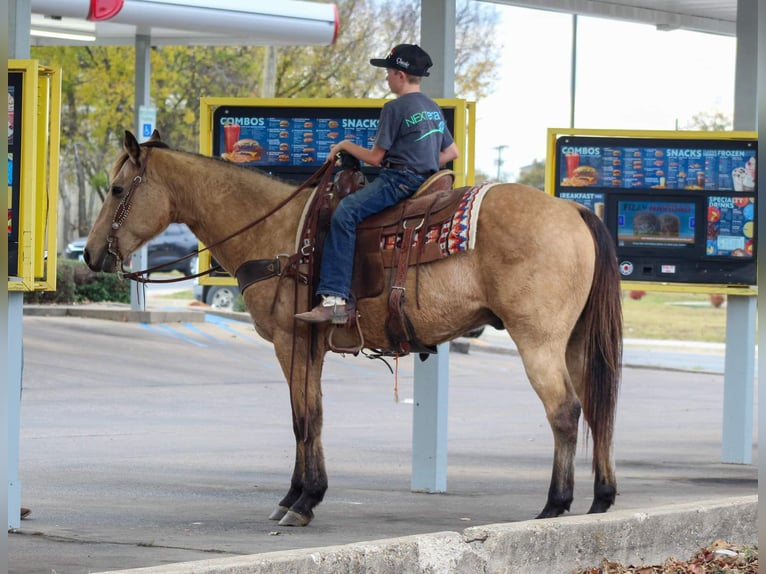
{"points": [[599, 506], [278, 513], [292, 518]]}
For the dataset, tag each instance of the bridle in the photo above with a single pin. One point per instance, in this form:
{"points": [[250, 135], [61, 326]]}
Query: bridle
{"points": [[321, 177], [121, 214]]}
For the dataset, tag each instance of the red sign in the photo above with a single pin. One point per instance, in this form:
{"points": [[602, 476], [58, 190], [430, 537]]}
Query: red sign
{"points": [[104, 9]]}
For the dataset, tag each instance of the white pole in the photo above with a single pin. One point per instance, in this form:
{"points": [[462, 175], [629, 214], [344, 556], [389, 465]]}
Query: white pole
{"points": [[20, 15]]}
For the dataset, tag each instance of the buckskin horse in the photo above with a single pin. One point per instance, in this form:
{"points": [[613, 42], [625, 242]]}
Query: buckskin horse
{"points": [[541, 267]]}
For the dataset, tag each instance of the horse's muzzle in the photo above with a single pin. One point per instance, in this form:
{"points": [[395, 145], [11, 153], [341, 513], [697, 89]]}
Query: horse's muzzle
{"points": [[107, 262]]}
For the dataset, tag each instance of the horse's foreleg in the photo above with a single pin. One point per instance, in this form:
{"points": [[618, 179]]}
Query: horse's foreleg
{"points": [[309, 479], [551, 382], [296, 482]]}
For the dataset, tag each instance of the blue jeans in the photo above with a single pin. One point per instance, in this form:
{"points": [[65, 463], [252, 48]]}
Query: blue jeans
{"points": [[389, 188]]}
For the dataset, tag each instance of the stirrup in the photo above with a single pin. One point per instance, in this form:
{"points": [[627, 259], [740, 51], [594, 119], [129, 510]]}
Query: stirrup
{"points": [[352, 350]]}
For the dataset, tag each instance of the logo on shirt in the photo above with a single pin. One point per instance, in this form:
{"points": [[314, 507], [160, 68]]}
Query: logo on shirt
{"points": [[437, 130], [426, 116]]}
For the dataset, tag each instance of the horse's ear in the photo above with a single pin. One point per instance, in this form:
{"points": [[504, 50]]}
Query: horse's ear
{"points": [[130, 143], [155, 136]]}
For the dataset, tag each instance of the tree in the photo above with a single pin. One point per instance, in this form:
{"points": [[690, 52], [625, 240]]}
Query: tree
{"points": [[98, 85], [96, 103], [533, 174], [710, 122]]}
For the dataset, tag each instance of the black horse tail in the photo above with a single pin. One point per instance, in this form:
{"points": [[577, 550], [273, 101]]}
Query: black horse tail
{"points": [[601, 322]]}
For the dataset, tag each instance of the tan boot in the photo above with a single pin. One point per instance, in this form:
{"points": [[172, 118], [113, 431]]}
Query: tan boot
{"points": [[328, 311]]}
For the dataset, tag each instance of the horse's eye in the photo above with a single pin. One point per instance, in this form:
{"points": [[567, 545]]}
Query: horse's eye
{"points": [[116, 190]]}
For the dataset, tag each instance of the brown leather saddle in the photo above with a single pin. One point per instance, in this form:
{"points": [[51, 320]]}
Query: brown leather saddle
{"points": [[388, 244], [393, 240]]}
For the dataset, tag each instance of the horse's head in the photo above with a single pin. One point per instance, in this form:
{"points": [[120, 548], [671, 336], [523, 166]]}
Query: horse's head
{"points": [[137, 208]]}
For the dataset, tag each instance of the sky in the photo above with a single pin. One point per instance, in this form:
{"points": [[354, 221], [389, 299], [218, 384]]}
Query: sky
{"points": [[629, 76]]}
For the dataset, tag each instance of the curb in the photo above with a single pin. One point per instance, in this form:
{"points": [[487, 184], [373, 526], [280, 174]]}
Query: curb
{"points": [[113, 313], [557, 545]]}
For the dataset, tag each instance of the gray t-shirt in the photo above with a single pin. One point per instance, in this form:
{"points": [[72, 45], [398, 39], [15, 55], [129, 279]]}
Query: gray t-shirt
{"points": [[413, 131]]}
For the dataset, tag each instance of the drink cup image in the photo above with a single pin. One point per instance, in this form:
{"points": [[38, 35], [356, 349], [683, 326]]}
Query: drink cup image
{"points": [[573, 161], [738, 176], [10, 117], [750, 167], [231, 136], [748, 182], [598, 208], [701, 179]]}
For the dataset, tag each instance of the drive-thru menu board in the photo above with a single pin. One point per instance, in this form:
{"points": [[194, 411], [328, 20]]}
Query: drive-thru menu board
{"points": [[661, 166], [293, 141], [679, 209], [15, 103]]}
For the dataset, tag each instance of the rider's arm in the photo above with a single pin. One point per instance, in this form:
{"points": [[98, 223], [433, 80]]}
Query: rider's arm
{"points": [[371, 157], [448, 154]]}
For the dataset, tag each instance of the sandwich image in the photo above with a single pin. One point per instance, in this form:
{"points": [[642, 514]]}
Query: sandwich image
{"points": [[582, 176], [245, 151]]}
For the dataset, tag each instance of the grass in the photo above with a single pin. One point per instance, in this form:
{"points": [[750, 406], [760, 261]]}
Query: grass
{"points": [[681, 316], [187, 294]]}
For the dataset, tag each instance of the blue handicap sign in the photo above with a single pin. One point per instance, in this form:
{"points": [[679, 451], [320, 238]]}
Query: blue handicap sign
{"points": [[147, 130]]}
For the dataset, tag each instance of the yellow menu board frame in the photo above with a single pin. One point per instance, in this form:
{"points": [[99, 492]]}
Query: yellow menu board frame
{"points": [[656, 286], [38, 176]]}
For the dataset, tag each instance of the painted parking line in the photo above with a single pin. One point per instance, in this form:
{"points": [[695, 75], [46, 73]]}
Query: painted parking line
{"points": [[169, 331], [226, 325], [196, 330]]}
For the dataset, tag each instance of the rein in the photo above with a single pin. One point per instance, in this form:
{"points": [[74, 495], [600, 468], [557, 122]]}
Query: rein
{"points": [[320, 176], [265, 268]]}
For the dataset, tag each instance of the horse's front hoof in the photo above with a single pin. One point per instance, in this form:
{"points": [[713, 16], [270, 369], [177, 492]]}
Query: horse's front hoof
{"points": [[550, 512], [278, 513], [292, 518]]}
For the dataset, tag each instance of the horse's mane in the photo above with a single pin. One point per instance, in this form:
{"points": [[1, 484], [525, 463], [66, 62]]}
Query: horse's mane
{"points": [[155, 143]]}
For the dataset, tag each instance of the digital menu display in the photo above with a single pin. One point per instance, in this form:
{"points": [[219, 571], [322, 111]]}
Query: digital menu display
{"points": [[14, 167], [653, 223], [730, 226], [292, 141], [715, 166], [300, 141]]}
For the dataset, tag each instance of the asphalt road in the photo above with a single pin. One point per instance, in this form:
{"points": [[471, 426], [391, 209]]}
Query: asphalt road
{"points": [[145, 444]]}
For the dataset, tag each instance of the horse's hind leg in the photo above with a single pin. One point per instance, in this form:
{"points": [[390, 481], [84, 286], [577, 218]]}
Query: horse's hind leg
{"points": [[605, 482], [546, 369]]}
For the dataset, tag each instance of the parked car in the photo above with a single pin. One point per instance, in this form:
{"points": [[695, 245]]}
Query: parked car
{"points": [[176, 241], [217, 296]]}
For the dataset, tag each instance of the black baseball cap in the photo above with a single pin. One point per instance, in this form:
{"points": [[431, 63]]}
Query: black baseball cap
{"points": [[408, 58]]}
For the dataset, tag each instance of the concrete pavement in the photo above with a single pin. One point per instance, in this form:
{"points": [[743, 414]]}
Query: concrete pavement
{"points": [[147, 444]]}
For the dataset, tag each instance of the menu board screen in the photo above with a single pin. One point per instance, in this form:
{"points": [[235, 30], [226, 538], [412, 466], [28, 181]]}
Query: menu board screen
{"points": [[730, 226], [14, 167], [655, 223], [292, 140], [714, 165]]}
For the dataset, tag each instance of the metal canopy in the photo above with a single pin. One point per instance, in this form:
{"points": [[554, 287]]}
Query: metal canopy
{"points": [[711, 16], [186, 22]]}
